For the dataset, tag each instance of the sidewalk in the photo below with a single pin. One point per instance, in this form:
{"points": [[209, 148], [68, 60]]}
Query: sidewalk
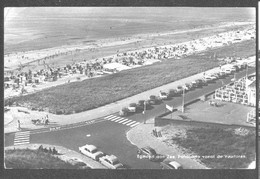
{"points": [[67, 155], [141, 136], [56, 120]]}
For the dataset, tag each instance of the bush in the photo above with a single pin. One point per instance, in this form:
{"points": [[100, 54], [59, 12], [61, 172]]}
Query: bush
{"points": [[59, 111]]}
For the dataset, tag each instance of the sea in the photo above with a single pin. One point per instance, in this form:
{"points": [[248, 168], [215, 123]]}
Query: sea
{"points": [[34, 28]]}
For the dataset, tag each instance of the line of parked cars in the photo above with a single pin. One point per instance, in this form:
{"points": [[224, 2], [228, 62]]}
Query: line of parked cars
{"points": [[153, 100], [150, 154], [110, 161]]}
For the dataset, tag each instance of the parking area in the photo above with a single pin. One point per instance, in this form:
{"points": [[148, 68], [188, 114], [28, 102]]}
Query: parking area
{"points": [[224, 112]]}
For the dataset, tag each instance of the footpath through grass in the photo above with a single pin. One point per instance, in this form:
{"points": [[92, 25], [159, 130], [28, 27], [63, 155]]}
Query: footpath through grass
{"points": [[34, 159], [220, 148], [92, 93]]}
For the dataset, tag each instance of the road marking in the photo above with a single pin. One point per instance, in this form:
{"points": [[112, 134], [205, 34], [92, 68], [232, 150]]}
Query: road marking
{"points": [[135, 124], [127, 121], [21, 143], [25, 132], [108, 116], [22, 138], [111, 117], [122, 120], [23, 135], [16, 138], [115, 118], [88, 135], [130, 123]]}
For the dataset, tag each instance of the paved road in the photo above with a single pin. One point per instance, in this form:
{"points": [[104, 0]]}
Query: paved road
{"points": [[109, 133]]}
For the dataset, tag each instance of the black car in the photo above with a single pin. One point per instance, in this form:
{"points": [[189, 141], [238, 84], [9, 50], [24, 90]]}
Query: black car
{"points": [[141, 103], [147, 153], [154, 100], [171, 165]]}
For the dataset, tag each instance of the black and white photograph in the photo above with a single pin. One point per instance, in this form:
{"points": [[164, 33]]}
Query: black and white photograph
{"points": [[130, 88]]}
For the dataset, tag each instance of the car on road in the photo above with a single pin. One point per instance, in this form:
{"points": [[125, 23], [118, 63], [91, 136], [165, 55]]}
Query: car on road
{"points": [[124, 112], [179, 89], [222, 74], [171, 165], [172, 92], [194, 84], [163, 95], [188, 86], [91, 151], [154, 100], [132, 107], [142, 103], [227, 71], [147, 152], [208, 79], [200, 82], [111, 162]]}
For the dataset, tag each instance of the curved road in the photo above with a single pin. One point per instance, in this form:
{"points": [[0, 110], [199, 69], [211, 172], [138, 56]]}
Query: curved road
{"points": [[110, 136]]}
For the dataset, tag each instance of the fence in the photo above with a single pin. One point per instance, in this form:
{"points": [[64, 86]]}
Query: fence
{"points": [[251, 116], [236, 93]]}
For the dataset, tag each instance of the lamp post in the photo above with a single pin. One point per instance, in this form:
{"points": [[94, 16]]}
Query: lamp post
{"points": [[183, 100], [144, 112], [246, 69]]}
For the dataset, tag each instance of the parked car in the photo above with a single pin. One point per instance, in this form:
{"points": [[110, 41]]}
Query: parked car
{"points": [[124, 112], [141, 103], [91, 151], [200, 82], [172, 92], [211, 77], [188, 86], [163, 95], [179, 89], [222, 73], [233, 69], [154, 100], [194, 84], [132, 107], [148, 152], [208, 79], [227, 71], [170, 165], [111, 162]]}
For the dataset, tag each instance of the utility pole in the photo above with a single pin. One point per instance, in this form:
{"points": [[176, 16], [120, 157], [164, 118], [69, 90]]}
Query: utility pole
{"points": [[144, 112], [183, 100], [246, 69]]}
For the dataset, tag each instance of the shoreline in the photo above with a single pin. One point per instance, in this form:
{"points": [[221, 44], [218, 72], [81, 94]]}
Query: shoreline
{"points": [[11, 60]]}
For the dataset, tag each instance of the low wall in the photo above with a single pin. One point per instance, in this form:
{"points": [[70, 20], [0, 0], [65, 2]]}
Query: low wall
{"points": [[161, 121], [186, 104]]}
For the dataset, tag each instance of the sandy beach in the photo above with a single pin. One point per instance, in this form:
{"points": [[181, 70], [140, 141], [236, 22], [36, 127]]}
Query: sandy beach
{"points": [[102, 48]]}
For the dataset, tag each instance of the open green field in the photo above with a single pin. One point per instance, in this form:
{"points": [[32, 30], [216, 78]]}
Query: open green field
{"points": [[238, 151], [33, 159], [92, 93]]}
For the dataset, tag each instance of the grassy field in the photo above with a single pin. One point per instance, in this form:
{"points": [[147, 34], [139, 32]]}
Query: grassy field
{"points": [[220, 141], [33, 159], [92, 93]]}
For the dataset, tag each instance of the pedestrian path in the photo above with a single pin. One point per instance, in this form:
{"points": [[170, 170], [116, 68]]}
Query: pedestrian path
{"points": [[121, 120], [22, 138]]}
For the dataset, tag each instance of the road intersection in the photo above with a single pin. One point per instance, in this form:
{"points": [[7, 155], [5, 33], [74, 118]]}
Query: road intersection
{"points": [[108, 133]]}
